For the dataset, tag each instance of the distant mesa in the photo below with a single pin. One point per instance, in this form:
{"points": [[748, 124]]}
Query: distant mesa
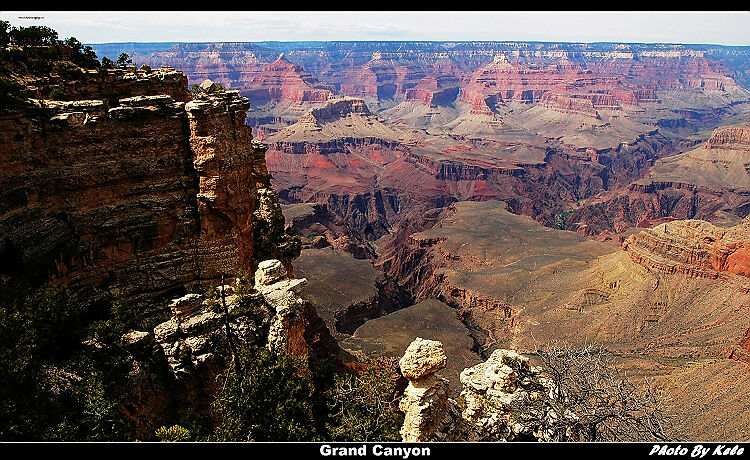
{"points": [[283, 80], [345, 117]]}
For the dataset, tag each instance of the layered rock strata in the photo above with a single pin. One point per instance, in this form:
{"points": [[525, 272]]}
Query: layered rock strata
{"points": [[225, 160], [282, 80], [137, 195], [693, 247], [695, 184]]}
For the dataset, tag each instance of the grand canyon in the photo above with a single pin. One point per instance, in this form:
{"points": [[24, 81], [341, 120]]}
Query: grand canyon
{"points": [[434, 209]]}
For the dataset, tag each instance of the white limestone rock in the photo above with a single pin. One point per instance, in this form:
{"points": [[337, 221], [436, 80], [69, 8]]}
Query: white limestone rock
{"points": [[422, 358]]}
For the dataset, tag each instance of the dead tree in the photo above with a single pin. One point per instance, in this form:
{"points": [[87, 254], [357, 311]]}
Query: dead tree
{"points": [[590, 399]]}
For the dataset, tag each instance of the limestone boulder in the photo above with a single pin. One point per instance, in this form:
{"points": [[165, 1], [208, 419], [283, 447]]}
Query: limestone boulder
{"points": [[269, 272], [422, 358]]}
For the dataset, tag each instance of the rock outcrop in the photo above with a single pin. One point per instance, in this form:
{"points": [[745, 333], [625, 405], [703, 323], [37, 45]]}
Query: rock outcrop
{"points": [[425, 400], [693, 247], [338, 118], [225, 161], [430, 91], [176, 364], [730, 138], [287, 332], [493, 391], [295, 330], [570, 104], [488, 406]]}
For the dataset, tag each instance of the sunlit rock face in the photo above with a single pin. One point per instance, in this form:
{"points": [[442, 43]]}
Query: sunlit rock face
{"points": [[150, 193]]}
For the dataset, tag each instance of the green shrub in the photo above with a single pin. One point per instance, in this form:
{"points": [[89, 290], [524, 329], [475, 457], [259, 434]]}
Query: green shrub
{"points": [[174, 433], [4, 36], [68, 70], [33, 36], [124, 317], [12, 94], [58, 94], [560, 220], [39, 67], [124, 59], [82, 56], [267, 401], [102, 419], [53, 388]]}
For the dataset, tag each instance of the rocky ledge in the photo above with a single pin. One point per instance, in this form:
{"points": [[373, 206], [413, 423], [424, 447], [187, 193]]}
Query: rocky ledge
{"points": [[693, 247], [176, 364]]}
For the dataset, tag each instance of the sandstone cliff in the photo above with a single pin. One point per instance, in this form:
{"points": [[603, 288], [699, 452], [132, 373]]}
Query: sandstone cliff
{"points": [[136, 195], [693, 247]]}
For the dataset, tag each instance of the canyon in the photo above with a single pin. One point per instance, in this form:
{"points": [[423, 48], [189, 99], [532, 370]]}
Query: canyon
{"points": [[451, 200], [541, 191], [556, 130]]}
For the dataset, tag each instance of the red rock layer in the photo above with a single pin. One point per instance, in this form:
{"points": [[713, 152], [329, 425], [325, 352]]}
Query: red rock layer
{"points": [[512, 81], [282, 80], [678, 197], [429, 91], [692, 247], [573, 105], [424, 90]]}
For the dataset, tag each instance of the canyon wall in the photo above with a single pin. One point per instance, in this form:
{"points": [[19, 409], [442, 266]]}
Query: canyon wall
{"points": [[700, 183], [693, 247], [137, 195]]}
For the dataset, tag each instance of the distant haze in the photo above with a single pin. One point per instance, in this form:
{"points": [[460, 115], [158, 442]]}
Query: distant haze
{"points": [[689, 27]]}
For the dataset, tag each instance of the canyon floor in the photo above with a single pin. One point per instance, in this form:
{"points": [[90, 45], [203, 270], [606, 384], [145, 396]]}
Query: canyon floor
{"points": [[482, 278]]}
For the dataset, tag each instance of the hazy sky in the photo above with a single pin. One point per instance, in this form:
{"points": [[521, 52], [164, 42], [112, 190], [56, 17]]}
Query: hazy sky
{"points": [[709, 27]]}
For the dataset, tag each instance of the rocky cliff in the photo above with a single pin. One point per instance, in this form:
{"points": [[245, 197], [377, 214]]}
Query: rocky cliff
{"points": [[136, 195], [148, 201], [693, 247], [700, 183]]}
